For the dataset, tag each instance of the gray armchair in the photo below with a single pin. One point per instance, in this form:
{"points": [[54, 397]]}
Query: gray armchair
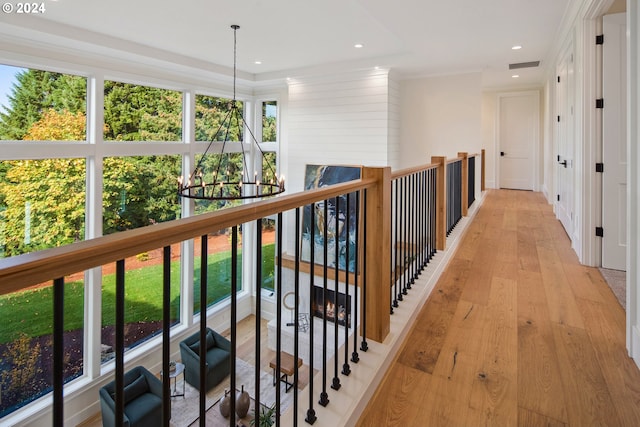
{"points": [[217, 362], [142, 400]]}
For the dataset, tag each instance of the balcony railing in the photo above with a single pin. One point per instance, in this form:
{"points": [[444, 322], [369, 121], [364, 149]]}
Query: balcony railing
{"points": [[361, 234]]}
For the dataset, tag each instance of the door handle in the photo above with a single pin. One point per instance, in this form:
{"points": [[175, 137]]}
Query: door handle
{"points": [[563, 163], [502, 153]]}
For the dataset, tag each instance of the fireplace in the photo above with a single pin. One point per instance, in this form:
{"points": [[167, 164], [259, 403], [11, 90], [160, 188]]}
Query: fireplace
{"points": [[340, 308]]}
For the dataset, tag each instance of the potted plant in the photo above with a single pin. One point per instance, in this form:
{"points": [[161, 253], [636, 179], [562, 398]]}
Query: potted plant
{"points": [[266, 418]]}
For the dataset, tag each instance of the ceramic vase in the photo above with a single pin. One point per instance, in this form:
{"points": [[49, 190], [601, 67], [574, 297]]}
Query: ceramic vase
{"points": [[242, 403], [225, 405]]}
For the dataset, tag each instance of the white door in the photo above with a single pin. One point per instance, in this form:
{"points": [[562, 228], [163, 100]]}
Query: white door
{"points": [[518, 130], [614, 149], [565, 142]]}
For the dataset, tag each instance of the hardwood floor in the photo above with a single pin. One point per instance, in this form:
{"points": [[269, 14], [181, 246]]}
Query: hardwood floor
{"points": [[516, 332]]}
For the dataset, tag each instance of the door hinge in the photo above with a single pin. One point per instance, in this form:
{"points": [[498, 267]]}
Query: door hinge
{"points": [[600, 39], [599, 167], [558, 119], [558, 197], [599, 232], [558, 79], [600, 103]]}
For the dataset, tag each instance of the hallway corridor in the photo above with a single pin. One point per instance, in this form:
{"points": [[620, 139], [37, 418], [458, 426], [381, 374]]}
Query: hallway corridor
{"points": [[516, 332]]}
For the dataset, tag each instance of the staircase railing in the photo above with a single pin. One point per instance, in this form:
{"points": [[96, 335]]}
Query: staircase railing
{"points": [[398, 222]]}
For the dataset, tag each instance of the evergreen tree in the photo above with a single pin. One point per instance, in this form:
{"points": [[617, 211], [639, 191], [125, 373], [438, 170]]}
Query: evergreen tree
{"points": [[36, 92]]}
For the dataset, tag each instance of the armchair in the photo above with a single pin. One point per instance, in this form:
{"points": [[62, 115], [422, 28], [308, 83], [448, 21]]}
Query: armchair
{"points": [[142, 400], [217, 361]]}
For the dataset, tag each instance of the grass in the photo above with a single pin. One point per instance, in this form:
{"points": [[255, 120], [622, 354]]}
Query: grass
{"points": [[31, 312]]}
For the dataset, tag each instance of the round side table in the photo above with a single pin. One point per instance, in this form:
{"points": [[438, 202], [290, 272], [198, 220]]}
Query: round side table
{"points": [[174, 374]]}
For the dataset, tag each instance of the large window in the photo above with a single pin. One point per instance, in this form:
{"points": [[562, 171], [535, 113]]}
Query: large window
{"points": [[218, 268], [42, 105], [41, 204], [139, 191], [26, 360], [269, 121], [47, 200], [141, 113], [214, 121], [143, 299]]}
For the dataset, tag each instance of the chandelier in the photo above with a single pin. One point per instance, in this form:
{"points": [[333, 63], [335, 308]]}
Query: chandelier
{"points": [[221, 184]]}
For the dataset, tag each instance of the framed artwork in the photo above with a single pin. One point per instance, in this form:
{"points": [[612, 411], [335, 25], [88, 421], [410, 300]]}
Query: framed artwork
{"points": [[317, 176]]}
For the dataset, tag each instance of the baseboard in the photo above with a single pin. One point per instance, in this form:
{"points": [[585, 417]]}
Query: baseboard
{"points": [[634, 351]]}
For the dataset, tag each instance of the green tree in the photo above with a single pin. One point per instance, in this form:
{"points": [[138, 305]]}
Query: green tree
{"points": [[44, 199], [141, 113], [35, 93], [139, 191]]}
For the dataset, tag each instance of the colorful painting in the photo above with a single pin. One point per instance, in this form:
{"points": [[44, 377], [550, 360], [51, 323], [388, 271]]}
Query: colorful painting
{"points": [[337, 217]]}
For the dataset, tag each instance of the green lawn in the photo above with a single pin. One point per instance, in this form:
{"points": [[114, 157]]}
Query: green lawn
{"points": [[31, 312]]}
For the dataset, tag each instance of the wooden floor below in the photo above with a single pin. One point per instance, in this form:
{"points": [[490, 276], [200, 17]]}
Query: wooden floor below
{"points": [[515, 333]]}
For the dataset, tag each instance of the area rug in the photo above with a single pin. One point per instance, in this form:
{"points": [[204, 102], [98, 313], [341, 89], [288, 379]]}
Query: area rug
{"points": [[617, 281], [185, 411]]}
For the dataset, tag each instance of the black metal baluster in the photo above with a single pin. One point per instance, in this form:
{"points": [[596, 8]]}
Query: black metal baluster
{"points": [[405, 236], [336, 241], [434, 190], [412, 229], [354, 356], [204, 254], [256, 399], [421, 220], [58, 352], [401, 243], [120, 342], [296, 317], [279, 314], [429, 211], [346, 369], [363, 344], [234, 318], [311, 413], [166, 338], [395, 243], [324, 397]]}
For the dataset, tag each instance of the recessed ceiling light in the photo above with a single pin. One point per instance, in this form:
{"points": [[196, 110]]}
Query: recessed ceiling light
{"points": [[516, 47], [258, 62], [515, 76], [358, 45]]}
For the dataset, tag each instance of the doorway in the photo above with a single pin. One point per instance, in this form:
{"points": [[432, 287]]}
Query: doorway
{"points": [[565, 135], [518, 139], [614, 142]]}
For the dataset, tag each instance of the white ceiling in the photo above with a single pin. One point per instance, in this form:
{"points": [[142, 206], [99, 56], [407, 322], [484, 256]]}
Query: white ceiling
{"points": [[412, 37]]}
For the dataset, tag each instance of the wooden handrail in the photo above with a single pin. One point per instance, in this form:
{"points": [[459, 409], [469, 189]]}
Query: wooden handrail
{"points": [[455, 159], [410, 171], [25, 270]]}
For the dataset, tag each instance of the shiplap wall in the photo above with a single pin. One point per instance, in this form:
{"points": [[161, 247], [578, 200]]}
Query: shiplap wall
{"points": [[342, 119], [393, 127]]}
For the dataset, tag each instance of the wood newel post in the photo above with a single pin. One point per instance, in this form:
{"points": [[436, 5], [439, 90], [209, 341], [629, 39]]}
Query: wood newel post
{"points": [[482, 170], [441, 201], [464, 203], [378, 252]]}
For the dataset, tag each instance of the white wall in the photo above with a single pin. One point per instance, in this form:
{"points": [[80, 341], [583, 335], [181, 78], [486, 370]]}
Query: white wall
{"points": [[440, 116], [341, 119]]}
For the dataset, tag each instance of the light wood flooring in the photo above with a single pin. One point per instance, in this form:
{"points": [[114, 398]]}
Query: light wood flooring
{"points": [[515, 333]]}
